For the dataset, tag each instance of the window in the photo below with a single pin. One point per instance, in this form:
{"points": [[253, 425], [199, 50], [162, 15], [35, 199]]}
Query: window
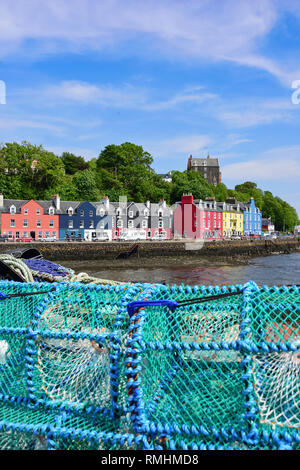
{"points": [[70, 211], [38, 223], [26, 211], [24, 234], [12, 210], [101, 212], [130, 213], [51, 223], [10, 234], [146, 212], [144, 224], [160, 224], [91, 224], [120, 223], [130, 223], [70, 223], [81, 213], [38, 211], [54, 234], [51, 210], [40, 234], [91, 213], [47, 234], [12, 223], [25, 223], [81, 224], [160, 213]]}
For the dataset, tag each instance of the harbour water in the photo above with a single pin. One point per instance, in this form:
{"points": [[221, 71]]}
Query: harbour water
{"points": [[270, 270]]}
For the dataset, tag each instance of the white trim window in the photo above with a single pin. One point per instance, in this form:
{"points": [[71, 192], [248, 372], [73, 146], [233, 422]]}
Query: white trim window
{"points": [[130, 223], [130, 214], [26, 211], [144, 224], [25, 223], [12, 209], [120, 223], [51, 211]]}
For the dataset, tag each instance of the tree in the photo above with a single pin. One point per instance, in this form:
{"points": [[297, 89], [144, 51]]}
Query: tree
{"points": [[72, 163], [189, 182], [86, 187]]}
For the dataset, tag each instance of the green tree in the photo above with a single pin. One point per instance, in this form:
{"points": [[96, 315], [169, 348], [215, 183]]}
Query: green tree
{"points": [[72, 163], [189, 182], [86, 187]]}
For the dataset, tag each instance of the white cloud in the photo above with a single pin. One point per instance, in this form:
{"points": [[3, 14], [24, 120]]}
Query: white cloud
{"points": [[213, 30], [280, 164]]}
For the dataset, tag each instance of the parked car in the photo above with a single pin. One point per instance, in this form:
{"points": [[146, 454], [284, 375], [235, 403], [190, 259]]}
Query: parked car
{"points": [[159, 236], [3, 238], [235, 237], [24, 239], [48, 239]]}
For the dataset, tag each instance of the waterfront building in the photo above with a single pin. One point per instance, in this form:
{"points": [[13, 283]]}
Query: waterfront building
{"points": [[208, 167], [187, 220], [212, 226], [252, 218], [23, 219], [141, 220], [267, 226], [85, 220], [233, 218], [297, 231], [197, 219]]}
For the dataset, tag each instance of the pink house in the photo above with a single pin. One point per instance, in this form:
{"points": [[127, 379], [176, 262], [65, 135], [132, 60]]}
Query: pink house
{"points": [[197, 219], [36, 219]]}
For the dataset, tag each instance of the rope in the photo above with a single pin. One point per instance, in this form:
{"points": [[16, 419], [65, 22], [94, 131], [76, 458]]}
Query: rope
{"points": [[19, 266], [30, 275]]}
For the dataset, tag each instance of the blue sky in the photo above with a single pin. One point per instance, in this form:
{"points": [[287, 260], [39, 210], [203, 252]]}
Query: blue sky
{"points": [[177, 77]]}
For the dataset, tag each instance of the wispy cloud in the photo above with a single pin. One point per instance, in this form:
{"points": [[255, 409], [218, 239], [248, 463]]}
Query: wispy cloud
{"points": [[281, 164], [215, 31]]}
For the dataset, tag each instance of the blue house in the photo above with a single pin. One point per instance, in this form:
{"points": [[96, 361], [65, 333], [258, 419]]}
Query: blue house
{"points": [[252, 218], [85, 220]]}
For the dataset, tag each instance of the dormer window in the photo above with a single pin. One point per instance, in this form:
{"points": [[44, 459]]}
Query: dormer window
{"points": [[130, 213], [12, 209], [51, 210], [101, 212], [70, 211]]}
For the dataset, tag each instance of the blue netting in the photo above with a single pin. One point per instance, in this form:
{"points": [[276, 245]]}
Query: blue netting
{"points": [[149, 367]]}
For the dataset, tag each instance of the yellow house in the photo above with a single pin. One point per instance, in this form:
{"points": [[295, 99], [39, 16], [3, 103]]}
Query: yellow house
{"points": [[233, 219]]}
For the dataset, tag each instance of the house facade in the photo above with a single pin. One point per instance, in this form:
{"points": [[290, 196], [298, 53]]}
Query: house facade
{"points": [[36, 219], [208, 167], [252, 218], [233, 218]]}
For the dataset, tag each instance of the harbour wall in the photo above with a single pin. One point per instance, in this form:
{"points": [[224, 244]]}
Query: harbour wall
{"points": [[227, 250]]}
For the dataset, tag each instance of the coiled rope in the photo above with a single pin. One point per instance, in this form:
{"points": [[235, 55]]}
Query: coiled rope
{"points": [[30, 275]]}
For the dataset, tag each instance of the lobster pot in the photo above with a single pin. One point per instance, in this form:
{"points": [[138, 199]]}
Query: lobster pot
{"points": [[222, 373], [61, 353]]}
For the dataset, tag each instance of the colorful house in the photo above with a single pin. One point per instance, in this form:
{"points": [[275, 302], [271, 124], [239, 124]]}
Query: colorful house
{"points": [[252, 218], [187, 218], [233, 218], [35, 219]]}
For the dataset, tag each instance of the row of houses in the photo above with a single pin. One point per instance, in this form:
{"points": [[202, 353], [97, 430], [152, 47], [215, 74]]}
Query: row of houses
{"points": [[189, 218]]}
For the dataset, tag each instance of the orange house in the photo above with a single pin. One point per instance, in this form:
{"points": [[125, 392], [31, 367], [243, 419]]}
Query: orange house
{"points": [[36, 219]]}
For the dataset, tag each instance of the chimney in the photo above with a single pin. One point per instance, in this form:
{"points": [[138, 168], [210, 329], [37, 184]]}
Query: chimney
{"points": [[105, 201], [56, 200], [1, 200]]}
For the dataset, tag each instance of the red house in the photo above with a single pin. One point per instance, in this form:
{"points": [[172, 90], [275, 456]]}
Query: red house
{"points": [[36, 219], [187, 218], [197, 219]]}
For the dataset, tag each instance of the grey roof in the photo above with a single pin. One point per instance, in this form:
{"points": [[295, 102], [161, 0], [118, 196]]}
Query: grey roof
{"points": [[209, 161]]}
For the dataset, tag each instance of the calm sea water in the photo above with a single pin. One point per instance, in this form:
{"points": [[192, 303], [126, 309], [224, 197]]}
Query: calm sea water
{"points": [[271, 270]]}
